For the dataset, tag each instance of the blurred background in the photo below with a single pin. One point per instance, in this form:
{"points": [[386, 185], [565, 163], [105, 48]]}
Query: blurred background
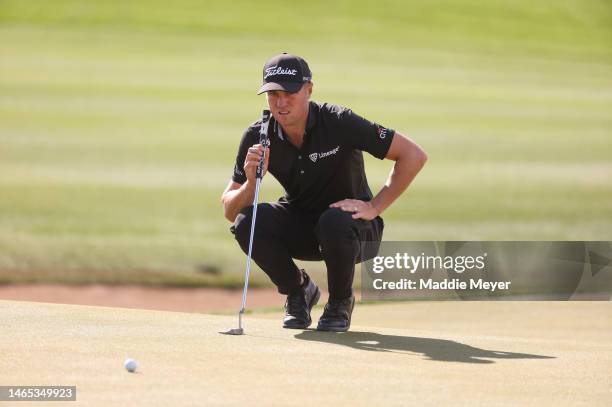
{"points": [[120, 122]]}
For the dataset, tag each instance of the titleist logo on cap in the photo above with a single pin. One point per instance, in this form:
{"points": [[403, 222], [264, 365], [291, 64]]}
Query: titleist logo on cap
{"points": [[279, 70]]}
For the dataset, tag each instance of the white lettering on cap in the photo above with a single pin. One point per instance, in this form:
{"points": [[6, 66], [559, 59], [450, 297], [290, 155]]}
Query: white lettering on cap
{"points": [[279, 70]]}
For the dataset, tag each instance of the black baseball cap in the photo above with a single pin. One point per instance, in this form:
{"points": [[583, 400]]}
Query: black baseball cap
{"points": [[285, 72]]}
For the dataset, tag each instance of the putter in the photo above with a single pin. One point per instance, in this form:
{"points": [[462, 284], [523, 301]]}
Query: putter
{"points": [[263, 140]]}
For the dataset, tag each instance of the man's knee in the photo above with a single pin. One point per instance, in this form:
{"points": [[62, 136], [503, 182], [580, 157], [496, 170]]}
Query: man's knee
{"points": [[266, 215], [335, 224], [242, 226]]}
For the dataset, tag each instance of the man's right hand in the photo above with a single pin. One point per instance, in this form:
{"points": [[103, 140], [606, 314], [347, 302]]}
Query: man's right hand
{"points": [[238, 196], [252, 160]]}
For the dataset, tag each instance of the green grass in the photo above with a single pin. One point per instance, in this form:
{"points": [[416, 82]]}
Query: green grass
{"points": [[119, 123]]}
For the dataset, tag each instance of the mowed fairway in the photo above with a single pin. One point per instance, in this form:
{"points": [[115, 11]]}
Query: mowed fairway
{"points": [[465, 354], [119, 124]]}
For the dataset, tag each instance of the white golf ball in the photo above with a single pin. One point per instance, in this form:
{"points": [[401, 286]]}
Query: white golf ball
{"points": [[130, 365]]}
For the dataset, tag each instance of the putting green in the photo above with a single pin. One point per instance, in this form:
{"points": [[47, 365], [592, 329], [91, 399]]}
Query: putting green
{"points": [[521, 353]]}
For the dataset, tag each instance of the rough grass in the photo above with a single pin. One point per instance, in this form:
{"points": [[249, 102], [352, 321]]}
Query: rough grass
{"points": [[119, 123]]}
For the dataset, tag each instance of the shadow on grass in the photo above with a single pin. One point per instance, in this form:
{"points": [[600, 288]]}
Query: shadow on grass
{"points": [[432, 349]]}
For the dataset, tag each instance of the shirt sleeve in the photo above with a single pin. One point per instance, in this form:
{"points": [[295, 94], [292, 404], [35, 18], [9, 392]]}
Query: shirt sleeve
{"points": [[247, 141], [365, 135]]}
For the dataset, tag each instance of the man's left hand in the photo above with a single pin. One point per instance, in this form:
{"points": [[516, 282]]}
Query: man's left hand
{"points": [[360, 209]]}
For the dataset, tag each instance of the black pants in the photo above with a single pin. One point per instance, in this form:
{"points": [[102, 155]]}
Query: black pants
{"points": [[282, 234]]}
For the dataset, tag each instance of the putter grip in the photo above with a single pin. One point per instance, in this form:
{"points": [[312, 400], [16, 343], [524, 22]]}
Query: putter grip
{"points": [[263, 140]]}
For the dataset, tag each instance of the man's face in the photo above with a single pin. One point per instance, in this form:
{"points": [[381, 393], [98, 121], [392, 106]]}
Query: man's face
{"points": [[287, 108]]}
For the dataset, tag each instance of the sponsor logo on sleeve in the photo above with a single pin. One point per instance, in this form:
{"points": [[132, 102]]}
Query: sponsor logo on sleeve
{"points": [[382, 132]]}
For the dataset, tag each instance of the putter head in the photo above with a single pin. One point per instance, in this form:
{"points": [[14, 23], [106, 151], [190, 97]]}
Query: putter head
{"points": [[234, 331], [239, 330]]}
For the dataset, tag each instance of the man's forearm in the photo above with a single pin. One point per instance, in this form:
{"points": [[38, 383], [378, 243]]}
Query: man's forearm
{"points": [[403, 172], [235, 200]]}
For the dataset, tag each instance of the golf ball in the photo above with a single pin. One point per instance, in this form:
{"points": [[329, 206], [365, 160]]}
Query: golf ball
{"points": [[130, 365]]}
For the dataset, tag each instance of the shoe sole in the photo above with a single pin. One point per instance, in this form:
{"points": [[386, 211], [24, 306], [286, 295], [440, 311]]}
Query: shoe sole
{"points": [[314, 301], [333, 329]]}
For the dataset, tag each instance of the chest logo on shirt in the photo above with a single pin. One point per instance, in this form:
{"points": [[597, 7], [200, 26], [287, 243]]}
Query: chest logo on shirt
{"points": [[314, 156]]}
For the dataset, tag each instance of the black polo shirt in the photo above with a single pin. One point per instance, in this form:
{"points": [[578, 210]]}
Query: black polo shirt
{"points": [[329, 166]]}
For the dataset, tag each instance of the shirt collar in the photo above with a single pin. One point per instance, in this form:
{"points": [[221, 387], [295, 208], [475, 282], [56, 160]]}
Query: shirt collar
{"points": [[312, 115], [279, 131]]}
